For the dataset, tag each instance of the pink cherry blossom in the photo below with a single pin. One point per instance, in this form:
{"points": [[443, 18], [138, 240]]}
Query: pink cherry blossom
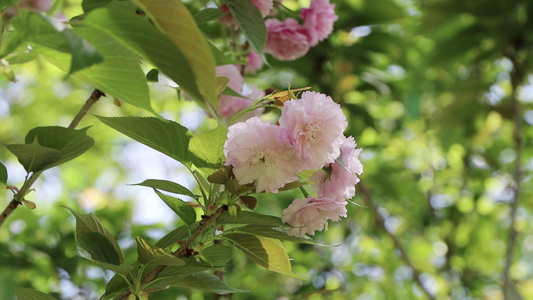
{"points": [[310, 214], [286, 40], [342, 180], [318, 20], [255, 63], [258, 153], [315, 126], [231, 105], [264, 6]]}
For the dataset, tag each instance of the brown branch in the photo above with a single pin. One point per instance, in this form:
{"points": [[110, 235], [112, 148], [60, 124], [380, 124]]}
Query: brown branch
{"points": [[516, 78], [182, 250], [95, 96], [26, 187], [381, 221]]}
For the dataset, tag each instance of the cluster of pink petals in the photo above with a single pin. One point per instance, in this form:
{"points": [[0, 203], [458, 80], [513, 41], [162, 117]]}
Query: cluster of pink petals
{"points": [[231, 105], [315, 126], [333, 188], [288, 40], [264, 6], [340, 184], [318, 20], [255, 63], [258, 153], [309, 137], [310, 214]]}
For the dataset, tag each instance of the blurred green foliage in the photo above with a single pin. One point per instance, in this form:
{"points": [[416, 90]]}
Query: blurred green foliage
{"points": [[428, 88]]}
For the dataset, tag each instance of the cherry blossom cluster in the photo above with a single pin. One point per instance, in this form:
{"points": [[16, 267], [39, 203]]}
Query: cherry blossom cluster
{"points": [[288, 39], [309, 137]]}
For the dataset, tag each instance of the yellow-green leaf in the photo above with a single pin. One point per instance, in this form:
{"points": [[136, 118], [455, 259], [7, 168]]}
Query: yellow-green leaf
{"points": [[177, 23], [266, 252]]}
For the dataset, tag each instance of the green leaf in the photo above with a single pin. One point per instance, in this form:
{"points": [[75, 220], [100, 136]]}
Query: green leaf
{"points": [[230, 92], [207, 282], [95, 246], [89, 223], [172, 274], [10, 41], [270, 232], [191, 266], [178, 234], [21, 57], [249, 217], [207, 149], [34, 157], [152, 75], [177, 23], [7, 3], [251, 23], [168, 186], [266, 252], [220, 57], [218, 255], [29, 294], [185, 211], [143, 38], [116, 284], [120, 74], [122, 269], [3, 173], [208, 14], [167, 137], [89, 5], [51, 33], [71, 143], [152, 254]]}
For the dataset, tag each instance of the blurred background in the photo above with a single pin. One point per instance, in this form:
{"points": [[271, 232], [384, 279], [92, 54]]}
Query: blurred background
{"points": [[439, 94]]}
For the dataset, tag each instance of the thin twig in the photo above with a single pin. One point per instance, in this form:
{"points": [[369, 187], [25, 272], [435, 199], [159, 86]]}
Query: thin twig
{"points": [[26, 187], [381, 221], [182, 250], [516, 79], [95, 96]]}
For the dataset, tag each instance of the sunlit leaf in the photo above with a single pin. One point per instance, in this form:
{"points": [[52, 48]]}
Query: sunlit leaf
{"points": [[167, 137], [207, 149], [176, 22], [143, 38], [266, 252], [151, 254], [53, 34], [119, 75], [279, 233]]}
